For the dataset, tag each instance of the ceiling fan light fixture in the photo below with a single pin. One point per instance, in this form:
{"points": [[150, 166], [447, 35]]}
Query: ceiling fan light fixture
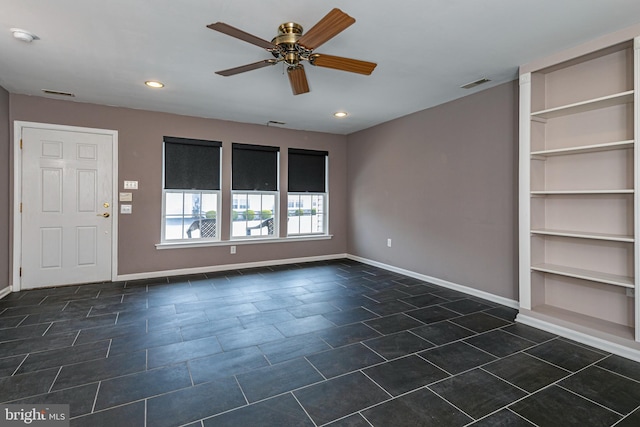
{"points": [[154, 84], [340, 114]]}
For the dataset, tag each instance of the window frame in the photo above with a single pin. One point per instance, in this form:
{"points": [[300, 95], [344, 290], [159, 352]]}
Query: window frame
{"points": [[256, 191], [311, 189], [165, 191], [324, 214]]}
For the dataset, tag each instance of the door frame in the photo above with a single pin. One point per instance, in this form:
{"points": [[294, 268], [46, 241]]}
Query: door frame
{"points": [[17, 192]]}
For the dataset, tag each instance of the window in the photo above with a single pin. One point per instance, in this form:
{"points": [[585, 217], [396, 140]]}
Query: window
{"points": [[191, 190], [254, 184], [307, 197]]}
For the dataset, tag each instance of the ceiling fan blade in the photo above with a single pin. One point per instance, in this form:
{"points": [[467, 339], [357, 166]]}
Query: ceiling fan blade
{"points": [[328, 27], [239, 34], [298, 80], [344, 64], [248, 67]]}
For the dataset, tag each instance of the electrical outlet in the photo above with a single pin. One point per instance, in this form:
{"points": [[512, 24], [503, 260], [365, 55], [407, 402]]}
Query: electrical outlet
{"points": [[233, 250], [388, 243]]}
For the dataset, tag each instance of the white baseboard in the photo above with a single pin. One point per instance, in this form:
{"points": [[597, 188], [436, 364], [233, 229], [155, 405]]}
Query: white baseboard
{"points": [[227, 267], [5, 291], [446, 284], [580, 337]]}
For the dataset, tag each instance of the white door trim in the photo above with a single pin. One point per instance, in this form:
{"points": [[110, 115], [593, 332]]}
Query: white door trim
{"points": [[17, 192]]}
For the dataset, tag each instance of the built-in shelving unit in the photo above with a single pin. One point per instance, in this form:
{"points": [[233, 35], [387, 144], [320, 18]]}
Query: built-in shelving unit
{"points": [[579, 236]]}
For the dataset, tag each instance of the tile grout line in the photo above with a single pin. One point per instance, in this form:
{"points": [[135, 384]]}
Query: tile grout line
{"points": [[303, 408], [95, 399], [590, 400], [20, 365], [55, 379]]}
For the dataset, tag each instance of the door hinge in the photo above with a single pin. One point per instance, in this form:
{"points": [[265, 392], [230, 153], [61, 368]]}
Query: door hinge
{"points": [[20, 271], [20, 207], [21, 143]]}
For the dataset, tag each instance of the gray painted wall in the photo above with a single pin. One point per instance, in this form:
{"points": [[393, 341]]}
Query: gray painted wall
{"points": [[5, 166], [442, 184], [140, 158]]}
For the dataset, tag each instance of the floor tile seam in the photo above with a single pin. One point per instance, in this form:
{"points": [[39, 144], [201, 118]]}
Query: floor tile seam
{"points": [[449, 402], [617, 373], [503, 329], [21, 321], [584, 346], [422, 338], [244, 395], [376, 383], [547, 361], [55, 366], [626, 416], [347, 416], [590, 400], [528, 393], [317, 370], [441, 368], [385, 360], [481, 366], [107, 409], [533, 343], [19, 366], [436, 346], [93, 381], [505, 408], [304, 409], [95, 398], [54, 380], [164, 393], [482, 350]]}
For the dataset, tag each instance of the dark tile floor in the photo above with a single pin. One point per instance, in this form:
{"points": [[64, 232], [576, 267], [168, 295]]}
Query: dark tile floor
{"points": [[332, 343]]}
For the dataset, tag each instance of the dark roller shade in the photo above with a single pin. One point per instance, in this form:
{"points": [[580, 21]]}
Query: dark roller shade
{"points": [[307, 171], [254, 167], [191, 164]]}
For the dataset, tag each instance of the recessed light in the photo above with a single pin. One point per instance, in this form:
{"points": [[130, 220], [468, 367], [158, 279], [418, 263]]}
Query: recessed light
{"points": [[24, 35], [154, 84], [340, 114]]}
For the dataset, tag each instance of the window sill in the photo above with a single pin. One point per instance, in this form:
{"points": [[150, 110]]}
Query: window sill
{"points": [[256, 241]]}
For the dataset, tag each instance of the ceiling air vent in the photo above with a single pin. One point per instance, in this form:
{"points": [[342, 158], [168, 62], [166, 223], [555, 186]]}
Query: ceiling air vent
{"points": [[474, 84], [58, 93]]}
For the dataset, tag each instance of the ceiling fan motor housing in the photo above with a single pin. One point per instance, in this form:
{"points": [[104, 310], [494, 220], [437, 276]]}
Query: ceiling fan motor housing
{"points": [[287, 42]]}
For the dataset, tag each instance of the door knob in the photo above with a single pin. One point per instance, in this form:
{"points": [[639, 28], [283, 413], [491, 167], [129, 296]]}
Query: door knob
{"points": [[106, 215]]}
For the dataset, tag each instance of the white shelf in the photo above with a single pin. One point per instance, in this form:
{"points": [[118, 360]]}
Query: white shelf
{"points": [[580, 192], [608, 146], [584, 106], [584, 235], [592, 326], [579, 273]]}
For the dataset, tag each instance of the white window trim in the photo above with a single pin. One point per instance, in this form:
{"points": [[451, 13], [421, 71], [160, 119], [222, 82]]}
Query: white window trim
{"points": [[325, 224], [276, 215], [254, 241], [164, 240]]}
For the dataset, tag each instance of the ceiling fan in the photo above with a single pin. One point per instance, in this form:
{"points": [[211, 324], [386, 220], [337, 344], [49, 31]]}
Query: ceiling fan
{"points": [[292, 47]]}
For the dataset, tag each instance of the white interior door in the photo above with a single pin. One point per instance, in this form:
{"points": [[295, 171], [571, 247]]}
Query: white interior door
{"points": [[67, 207]]}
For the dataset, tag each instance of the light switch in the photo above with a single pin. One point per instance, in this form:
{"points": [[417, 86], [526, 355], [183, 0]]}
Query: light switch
{"points": [[126, 209], [126, 197], [131, 185]]}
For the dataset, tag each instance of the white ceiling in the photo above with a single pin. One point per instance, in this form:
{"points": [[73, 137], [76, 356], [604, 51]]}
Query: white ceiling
{"points": [[103, 51]]}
